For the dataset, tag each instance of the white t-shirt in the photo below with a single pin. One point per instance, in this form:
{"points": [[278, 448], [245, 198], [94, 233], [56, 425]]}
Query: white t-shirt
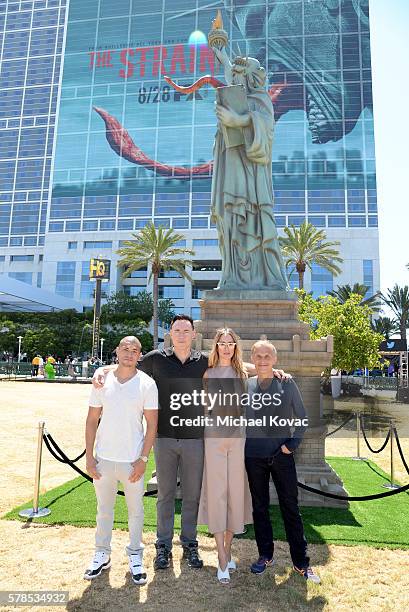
{"points": [[120, 431]]}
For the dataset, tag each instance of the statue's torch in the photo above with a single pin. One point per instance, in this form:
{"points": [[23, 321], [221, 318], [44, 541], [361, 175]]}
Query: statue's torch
{"points": [[217, 37]]}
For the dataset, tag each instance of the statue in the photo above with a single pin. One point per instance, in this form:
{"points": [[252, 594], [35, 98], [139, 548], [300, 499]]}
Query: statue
{"points": [[242, 190]]}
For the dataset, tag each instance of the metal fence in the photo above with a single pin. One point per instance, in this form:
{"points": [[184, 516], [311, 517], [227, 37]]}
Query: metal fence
{"points": [[380, 383], [22, 369]]}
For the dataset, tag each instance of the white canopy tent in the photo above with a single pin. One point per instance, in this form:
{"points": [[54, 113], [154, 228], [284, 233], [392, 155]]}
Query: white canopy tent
{"points": [[17, 296]]}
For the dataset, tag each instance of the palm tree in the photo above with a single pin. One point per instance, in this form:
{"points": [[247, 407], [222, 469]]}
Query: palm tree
{"points": [[398, 301], [155, 248], [384, 326], [343, 293], [306, 245]]}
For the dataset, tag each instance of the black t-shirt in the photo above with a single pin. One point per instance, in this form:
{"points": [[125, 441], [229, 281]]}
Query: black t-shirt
{"points": [[173, 377]]}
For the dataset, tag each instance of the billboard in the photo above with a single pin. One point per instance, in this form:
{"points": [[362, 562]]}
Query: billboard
{"points": [[126, 134]]}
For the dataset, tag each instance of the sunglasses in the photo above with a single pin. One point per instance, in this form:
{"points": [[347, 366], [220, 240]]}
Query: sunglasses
{"points": [[224, 344]]}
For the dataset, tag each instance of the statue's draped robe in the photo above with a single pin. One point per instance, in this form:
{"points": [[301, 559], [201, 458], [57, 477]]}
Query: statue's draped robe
{"points": [[242, 204]]}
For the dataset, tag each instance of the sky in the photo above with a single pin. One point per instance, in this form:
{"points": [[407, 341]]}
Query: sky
{"points": [[389, 26]]}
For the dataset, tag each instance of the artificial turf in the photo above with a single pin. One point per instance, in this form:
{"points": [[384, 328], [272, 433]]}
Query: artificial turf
{"points": [[382, 523]]}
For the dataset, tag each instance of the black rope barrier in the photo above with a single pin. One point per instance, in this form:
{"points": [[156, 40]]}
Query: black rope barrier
{"points": [[379, 450], [354, 498], [351, 416], [400, 450], [48, 440]]}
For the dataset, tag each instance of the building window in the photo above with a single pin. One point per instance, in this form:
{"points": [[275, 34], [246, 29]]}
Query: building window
{"points": [[356, 221], [107, 225], [161, 222], [206, 266], [367, 266], [195, 313], [317, 221], [56, 226], [198, 289], [141, 273], [200, 222], [72, 226], [72, 245], [125, 224], [181, 223], [139, 223], [321, 280], [23, 277], [169, 274], [133, 290], [87, 287], [170, 291], [336, 222], [98, 244], [22, 258], [90, 226], [39, 279], [202, 242], [65, 279]]}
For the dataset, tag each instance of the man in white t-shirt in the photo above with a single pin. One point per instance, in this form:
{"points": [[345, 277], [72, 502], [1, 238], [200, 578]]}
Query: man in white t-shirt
{"points": [[121, 453]]}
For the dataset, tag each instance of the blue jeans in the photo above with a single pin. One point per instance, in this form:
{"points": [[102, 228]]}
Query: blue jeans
{"points": [[281, 468]]}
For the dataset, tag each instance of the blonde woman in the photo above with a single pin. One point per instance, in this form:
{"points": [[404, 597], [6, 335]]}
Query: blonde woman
{"points": [[225, 504]]}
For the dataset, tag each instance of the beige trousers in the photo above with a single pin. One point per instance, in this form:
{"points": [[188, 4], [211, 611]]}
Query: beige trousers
{"points": [[106, 487], [225, 502]]}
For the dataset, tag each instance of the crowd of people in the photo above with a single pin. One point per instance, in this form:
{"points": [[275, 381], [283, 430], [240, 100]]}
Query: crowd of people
{"points": [[224, 470]]}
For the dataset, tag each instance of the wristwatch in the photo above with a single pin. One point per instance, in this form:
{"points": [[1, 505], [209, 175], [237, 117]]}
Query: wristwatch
{"points": [[144, 458]]}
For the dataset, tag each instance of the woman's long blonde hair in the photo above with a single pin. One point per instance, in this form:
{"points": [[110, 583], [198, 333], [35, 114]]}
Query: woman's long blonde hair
{"points": [[236, 360]]}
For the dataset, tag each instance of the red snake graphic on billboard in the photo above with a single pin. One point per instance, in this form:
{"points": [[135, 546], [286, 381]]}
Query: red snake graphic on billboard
{"points": [[121, 142]]}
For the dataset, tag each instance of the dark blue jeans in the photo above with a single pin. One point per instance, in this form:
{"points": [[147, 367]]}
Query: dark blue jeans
{"points": [[281, 468]]}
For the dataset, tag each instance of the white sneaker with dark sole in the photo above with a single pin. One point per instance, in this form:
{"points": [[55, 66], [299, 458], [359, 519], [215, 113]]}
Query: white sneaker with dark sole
{"points": [[137, 571], [99, 563]]}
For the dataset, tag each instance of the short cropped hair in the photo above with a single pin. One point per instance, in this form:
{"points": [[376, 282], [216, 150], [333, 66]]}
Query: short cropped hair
{"points": [[265, 343], [131, 340], [182, 317]]}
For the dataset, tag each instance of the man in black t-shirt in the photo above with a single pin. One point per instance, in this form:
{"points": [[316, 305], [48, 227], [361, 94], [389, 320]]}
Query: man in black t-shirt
{"points": [[177, 370]]}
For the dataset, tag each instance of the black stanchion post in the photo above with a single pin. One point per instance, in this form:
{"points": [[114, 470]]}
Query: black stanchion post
{"points": [[391, 484], [35, 511], [358, 441]]}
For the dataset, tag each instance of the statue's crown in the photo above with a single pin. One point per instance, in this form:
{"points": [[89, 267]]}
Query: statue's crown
{"points": [[240, 61]]}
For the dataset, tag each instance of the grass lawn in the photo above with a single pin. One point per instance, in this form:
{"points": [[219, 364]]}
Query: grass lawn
{"points": [[380, 523]]}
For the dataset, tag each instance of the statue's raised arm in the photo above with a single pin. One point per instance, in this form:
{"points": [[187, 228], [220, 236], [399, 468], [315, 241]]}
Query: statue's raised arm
{"points": [[218, 40]]}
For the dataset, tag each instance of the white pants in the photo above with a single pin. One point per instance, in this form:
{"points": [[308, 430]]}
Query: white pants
{"points": [[105, 489]]}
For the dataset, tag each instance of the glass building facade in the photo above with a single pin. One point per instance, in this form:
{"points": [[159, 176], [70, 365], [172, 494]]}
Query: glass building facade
{"points": [[94, 139], [31, 37]]}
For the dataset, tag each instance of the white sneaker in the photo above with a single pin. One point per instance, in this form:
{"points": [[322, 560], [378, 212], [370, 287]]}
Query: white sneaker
{"points": [[100, 562], [137, 571], [231, 565]]}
